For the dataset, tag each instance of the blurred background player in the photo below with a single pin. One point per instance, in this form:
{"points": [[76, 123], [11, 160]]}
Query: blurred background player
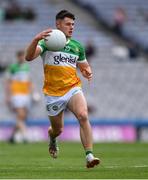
{"points": [[62, 86], [18, 94]]}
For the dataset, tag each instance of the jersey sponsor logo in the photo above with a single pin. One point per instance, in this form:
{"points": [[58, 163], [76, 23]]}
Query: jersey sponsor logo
{"points": [[61, 58]]}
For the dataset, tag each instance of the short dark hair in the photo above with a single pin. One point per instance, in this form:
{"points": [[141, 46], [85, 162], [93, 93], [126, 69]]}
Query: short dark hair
{"points": [[64, 13]]}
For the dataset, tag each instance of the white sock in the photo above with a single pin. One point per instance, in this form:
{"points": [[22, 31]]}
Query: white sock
{"points": [[89, 157]]}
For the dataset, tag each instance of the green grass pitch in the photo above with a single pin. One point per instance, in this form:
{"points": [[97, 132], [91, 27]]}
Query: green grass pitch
{"points": [[119, 161]]}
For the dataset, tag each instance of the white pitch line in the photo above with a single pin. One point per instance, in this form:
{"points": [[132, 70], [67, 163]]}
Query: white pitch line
{"points": [[141, 166], [132, 166]]}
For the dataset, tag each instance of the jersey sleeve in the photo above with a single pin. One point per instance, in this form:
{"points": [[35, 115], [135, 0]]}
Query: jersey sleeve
{"points": [[82, 55], [42, 45], [9, 72]]}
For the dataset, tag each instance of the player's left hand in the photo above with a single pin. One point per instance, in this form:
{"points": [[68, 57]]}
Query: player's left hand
{"points": [[87, 73]]}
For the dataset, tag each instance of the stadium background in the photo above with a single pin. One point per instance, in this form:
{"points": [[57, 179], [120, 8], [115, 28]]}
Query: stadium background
{"points": [[117, 96]]}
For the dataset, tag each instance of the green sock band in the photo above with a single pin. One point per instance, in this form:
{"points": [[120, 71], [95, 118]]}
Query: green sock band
{"points": [[51, 139], [88, 152]]}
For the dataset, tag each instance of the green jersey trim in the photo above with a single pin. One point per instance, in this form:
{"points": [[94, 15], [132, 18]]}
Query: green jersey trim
{"points": [[43, 47], [72, 47], [14, 68]]}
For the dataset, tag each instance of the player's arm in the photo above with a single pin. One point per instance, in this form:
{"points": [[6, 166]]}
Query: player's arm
{"points": [[7, 84], [85, 70], [33, 50], [83, 65], [7, 91]]}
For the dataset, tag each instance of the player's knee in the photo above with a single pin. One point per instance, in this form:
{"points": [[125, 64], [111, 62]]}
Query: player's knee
{"points": [[22, 117], [83, 116], [58, 131]]}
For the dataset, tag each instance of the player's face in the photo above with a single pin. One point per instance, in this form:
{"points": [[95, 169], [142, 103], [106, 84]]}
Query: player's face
{"points": [[21, 58], [66, 25]]}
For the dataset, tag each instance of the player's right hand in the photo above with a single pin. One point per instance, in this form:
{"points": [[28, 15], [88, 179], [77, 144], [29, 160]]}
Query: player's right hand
{"points": [[43, 34]]}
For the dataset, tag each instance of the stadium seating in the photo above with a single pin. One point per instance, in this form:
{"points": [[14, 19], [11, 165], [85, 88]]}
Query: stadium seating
{"points": [[136, 26]]}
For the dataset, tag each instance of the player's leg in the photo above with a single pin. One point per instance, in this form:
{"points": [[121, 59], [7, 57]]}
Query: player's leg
{"points": [[55, 129], [21, 116], [77, 104]]}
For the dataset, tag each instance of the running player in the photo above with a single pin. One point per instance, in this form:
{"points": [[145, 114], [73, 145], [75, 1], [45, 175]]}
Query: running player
{"points": [[62, 86], [18, 91]]}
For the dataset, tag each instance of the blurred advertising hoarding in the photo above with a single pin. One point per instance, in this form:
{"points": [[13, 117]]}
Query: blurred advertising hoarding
{"points": [[112, 133]]}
